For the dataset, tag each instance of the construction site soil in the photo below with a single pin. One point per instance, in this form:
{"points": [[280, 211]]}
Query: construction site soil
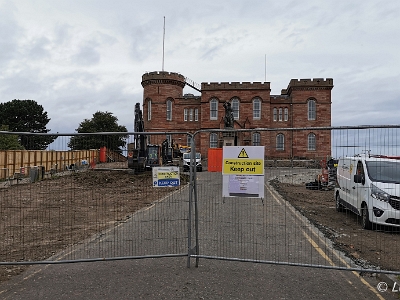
{"points": [[377, 248], [39, 219]]}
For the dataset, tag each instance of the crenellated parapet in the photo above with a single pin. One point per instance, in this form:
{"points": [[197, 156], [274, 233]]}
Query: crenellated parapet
{"points": [[212, 86], [162, 77], [308, 84]]}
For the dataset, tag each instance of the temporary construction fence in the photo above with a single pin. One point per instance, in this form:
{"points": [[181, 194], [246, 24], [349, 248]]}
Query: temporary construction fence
{"points": [[110, 212], [21, 161]]}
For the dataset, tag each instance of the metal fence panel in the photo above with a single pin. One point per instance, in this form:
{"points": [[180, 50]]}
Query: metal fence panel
{"points": [[90, 210], [101, 210], [293, 224]]}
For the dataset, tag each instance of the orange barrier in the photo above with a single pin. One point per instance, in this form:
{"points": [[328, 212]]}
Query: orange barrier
{"points": [[214, 160], [103, 151]]}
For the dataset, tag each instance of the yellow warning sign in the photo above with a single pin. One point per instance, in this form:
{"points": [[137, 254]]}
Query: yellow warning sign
{"points": [[243, 154], [243, 167], [243, 160]]}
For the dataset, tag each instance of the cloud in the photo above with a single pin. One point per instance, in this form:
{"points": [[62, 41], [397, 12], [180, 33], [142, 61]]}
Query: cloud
{"points": [[62, 33], [87, 55], [144, 42], [75, 58], [366, 101], [38, 48], [9, 34]]}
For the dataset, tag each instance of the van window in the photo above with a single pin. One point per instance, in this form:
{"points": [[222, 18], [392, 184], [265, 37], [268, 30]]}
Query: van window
{"points": [[187, 155], [360, 169], [384, 171]]}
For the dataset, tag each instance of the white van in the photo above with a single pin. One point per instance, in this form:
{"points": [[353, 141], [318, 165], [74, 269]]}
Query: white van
{"points": [[186, 162], [369, 185]]}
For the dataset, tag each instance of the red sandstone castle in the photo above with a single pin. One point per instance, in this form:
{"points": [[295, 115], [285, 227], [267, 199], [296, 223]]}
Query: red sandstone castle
{"points": [[304, 103]]}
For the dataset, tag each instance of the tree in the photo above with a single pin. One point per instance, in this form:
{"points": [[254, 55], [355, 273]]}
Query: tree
{"points": [[27, 116], [9, 141], [101, 122]]}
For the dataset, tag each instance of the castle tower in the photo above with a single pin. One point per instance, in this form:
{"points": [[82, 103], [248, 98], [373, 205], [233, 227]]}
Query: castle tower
{"points": [[160, 91]]}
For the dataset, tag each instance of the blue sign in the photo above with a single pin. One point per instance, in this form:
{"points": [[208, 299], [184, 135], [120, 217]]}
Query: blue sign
{"points": [[166, 176], [168, 182]]}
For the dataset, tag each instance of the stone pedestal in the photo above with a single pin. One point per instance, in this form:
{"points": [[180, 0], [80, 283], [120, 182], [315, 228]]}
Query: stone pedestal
{"points": [[228, 141]]}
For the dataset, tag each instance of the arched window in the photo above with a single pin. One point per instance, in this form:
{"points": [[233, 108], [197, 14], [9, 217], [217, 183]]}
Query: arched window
{"points": [[196, 114], [256, 139], [169, 110], [275, 114], [149, 110], [191, 114], [312, 109], [312, 142], [280, 113], [213, 109], [256, 109], [213, 140], [286, 114], [185, 114], [235, 108], [280, 142]]}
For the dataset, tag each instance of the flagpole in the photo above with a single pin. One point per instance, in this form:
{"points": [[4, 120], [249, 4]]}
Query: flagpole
{"points": [[163, 46], [265, 62]]}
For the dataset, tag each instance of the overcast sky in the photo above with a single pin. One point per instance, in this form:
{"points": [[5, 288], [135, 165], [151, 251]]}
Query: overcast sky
{"points": [[78, 57]]}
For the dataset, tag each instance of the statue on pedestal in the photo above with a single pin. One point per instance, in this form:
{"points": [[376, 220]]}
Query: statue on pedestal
{"points": [[228, 119]]}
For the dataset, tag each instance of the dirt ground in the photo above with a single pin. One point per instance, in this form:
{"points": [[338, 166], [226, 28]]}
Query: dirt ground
{"points": [[30, 213], [38, 220], [371, 249]]}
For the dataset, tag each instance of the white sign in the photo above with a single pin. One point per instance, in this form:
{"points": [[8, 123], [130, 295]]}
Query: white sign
{"points": [[243, 171], [166, 176]]}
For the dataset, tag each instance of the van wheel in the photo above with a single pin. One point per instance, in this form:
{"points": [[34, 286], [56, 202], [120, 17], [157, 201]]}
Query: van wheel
{"points": [[339, 206], [365, 222]]}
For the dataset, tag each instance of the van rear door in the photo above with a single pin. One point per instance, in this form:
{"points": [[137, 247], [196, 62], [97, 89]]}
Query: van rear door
{"points": [[359, 188], [345, 169]]}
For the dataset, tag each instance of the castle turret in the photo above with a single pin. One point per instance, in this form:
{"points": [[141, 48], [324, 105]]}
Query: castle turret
{"points": [[160, 91], [162, 85]]}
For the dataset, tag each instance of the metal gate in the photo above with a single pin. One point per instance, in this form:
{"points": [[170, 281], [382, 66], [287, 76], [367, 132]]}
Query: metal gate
{"points": [[283, 230], [96, 209]]}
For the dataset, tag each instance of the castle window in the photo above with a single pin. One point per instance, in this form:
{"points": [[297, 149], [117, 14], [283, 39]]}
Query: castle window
{"points": [[275, 114], [213, 140], [280, 114], [312, 142], [256, 139], [196, 114], [312, 110], [235, 108], [280, 142], [191, 114], [256, 109], [286, 114], [185, 114], [214, 109], [169, 110], [148, 110]]}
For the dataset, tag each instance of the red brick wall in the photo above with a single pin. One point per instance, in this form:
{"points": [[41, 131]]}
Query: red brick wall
{"points": [[160, 87]]}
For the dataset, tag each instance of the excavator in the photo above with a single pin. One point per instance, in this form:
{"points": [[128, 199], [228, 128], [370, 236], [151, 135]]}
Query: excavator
{"points": [[143, 156], [137, 151]]}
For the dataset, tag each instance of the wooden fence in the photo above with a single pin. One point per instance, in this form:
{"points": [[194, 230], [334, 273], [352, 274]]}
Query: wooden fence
{"points": [[20, 161]]}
